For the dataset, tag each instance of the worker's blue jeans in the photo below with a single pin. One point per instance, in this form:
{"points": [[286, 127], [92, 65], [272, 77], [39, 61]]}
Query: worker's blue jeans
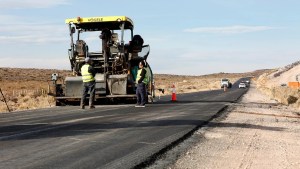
{"points": [[88, 87], [141, 93]]}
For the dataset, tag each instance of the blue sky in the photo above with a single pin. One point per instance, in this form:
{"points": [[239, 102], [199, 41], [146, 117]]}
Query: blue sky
{"points": [[191, 37]]}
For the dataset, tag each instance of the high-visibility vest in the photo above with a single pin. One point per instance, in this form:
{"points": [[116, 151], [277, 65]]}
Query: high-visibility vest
{"points": [[148, 74], [86, 75], [138, 77]]}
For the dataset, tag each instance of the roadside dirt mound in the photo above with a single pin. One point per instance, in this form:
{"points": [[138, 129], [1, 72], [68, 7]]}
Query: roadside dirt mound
{"points": [[286, 68], [274, 84], [289, 75]]}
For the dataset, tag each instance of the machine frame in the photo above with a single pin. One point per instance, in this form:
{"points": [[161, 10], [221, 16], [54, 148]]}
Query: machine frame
{"points": [[116, 63]]}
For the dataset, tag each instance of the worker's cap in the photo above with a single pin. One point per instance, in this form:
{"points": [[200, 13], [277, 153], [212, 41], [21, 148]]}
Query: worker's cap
{"points": [[87, 59]]}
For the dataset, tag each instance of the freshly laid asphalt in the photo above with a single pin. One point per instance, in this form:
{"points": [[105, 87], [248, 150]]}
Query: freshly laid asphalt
{"points": [[110, 136]]}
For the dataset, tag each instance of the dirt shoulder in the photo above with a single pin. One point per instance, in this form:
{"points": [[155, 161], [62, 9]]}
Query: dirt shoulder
{"points": [[256, 133]]}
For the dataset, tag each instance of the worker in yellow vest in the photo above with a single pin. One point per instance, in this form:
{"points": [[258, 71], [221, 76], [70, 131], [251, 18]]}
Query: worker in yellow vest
{"points": [[88, 77], [142, 82]]}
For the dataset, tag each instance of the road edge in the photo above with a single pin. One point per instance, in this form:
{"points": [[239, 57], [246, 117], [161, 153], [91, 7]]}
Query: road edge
{"points": [[172, 151]]}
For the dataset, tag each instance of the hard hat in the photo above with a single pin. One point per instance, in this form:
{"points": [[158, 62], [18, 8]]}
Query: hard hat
{"points": [[87, 59]]}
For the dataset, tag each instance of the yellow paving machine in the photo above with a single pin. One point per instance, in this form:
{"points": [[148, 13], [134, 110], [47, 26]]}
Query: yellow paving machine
{"points": [[115, 58]]}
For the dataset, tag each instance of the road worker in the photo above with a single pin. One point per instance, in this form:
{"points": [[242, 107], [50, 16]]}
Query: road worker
{"points": [[88, 77], [141, 81]]}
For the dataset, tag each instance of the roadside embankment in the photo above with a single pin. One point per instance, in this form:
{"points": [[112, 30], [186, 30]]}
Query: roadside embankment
{"points": [[256, 133], [275, 85]]}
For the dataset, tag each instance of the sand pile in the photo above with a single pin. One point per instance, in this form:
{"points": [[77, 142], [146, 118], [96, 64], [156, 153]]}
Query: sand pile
{"points": [[274, 84]]}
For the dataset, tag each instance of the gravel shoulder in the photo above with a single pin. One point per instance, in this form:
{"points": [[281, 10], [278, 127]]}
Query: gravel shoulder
{"points": [[255, 133]]}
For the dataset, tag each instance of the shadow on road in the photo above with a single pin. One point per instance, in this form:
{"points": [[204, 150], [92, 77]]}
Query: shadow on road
{"points": [[88, 128]]}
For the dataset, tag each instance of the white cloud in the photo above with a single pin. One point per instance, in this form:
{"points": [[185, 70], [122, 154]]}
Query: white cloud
{"points": [[21, 4], [229, 29], [31, 39], [50, 63], [33, 33], [8, 18]]}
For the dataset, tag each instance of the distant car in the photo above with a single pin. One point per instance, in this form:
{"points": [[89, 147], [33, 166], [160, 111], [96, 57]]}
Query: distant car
{"points": [[242, 85], [247, 83]]}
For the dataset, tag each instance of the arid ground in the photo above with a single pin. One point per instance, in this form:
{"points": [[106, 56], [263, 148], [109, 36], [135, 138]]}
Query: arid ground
{"points": [[256, 133], [260, 131], [27, 88]]}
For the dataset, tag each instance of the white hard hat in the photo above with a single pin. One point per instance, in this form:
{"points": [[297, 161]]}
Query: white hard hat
{"points": [[87, 59]]}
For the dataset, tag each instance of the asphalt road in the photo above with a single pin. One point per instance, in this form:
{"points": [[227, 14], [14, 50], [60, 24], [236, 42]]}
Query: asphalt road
{"points": [[110, 136]]}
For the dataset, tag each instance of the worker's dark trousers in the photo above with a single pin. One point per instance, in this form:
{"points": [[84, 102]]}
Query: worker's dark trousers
{"points": [[88, 87], [141, 93]]}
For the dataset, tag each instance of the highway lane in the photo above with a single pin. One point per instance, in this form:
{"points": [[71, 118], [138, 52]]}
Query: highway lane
{"points": [[110, 136]]}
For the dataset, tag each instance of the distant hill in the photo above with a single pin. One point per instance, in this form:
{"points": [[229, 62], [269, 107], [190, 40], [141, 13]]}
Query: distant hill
{"points": [[31, 74], [22, 74]]}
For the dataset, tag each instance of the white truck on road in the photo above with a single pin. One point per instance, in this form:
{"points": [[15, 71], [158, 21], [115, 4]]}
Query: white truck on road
{"points": [[225, 83]]}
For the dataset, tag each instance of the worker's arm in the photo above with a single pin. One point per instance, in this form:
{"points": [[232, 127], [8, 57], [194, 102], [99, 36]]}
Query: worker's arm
{"points": [[92, 71], [143, 74]]}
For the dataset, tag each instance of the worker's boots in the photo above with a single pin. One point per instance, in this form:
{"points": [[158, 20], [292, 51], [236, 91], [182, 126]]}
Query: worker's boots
{"points": [[91, 106], [82, 105]]}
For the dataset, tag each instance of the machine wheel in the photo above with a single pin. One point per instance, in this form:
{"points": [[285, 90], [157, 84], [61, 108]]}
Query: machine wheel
{"points": [[59, 103]]}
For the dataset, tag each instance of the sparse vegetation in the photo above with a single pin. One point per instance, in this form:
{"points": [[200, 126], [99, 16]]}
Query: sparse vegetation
{"points": [[286, 68], [28, 88]]}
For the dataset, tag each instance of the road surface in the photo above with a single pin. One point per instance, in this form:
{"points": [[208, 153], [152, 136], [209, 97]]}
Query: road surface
{"points": [[110, 136]]}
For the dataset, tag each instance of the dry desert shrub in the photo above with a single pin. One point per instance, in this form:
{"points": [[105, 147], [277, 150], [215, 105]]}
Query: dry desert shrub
{"points": [[26, 88], [28, 101], [285, 95], [286, 68], [292, 99]]}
